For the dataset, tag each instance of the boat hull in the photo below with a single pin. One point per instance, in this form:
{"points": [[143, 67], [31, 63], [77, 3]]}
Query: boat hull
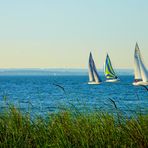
{"points": [[94, 83], [112, 80], [140, 83]]}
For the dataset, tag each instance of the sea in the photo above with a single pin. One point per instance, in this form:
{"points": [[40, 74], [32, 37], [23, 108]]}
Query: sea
{"points": [[43, 91]]}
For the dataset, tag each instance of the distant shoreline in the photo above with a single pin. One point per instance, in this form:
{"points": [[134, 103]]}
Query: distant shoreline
{"points": [[54, 71]]}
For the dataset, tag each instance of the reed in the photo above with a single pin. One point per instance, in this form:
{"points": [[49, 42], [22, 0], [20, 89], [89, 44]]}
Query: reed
{"points": [[68, 129]]}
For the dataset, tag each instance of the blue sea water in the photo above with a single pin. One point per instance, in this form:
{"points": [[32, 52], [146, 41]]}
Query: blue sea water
{"points": [[50, 91]]}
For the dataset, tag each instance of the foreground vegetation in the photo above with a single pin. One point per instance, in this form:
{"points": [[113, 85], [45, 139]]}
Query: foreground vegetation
{"points": [[72, 129]]}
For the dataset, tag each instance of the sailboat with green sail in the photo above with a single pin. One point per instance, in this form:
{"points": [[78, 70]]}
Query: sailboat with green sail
{"points": [[109, 71]]}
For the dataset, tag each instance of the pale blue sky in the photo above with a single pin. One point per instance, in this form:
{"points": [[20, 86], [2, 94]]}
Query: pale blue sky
{"points": [[61, 33]]}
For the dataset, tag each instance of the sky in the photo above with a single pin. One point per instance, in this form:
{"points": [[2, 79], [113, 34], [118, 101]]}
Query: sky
{"points": [[61, 33]]}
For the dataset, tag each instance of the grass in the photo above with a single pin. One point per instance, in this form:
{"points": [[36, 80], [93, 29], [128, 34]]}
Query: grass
{"points": [[68, 129]]}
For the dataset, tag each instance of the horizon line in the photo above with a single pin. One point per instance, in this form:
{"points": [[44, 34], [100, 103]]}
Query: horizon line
{"points": [[58, 68]]}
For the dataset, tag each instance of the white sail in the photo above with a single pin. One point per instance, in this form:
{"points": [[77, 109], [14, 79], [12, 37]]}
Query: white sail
{"points": [[136, 63], [96, 76], [93, 74], [141, 74], [90, 68], [144, 73]]}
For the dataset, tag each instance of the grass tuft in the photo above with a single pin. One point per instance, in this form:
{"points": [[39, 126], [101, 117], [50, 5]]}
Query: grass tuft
{"points": [[68, 129]]}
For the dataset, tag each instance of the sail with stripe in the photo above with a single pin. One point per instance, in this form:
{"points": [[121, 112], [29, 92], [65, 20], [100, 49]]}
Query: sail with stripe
{"points": [[90, 68], [108, 70], [93, 74]]}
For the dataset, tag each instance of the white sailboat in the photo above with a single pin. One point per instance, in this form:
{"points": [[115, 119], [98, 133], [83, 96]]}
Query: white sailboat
{"points": [[140, 71], [109, 71], [93, 74]]}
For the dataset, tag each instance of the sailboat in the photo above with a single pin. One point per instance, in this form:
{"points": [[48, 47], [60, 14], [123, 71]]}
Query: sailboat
{"points": [[140, 71], [93, 74], [109, 71]]}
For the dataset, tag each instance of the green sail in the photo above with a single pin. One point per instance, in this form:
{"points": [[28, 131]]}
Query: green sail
{"points": [[109, 72]]}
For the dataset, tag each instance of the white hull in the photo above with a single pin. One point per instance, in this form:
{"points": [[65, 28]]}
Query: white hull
{"points": [[112, 80], [94, 83], [140, 83]]}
